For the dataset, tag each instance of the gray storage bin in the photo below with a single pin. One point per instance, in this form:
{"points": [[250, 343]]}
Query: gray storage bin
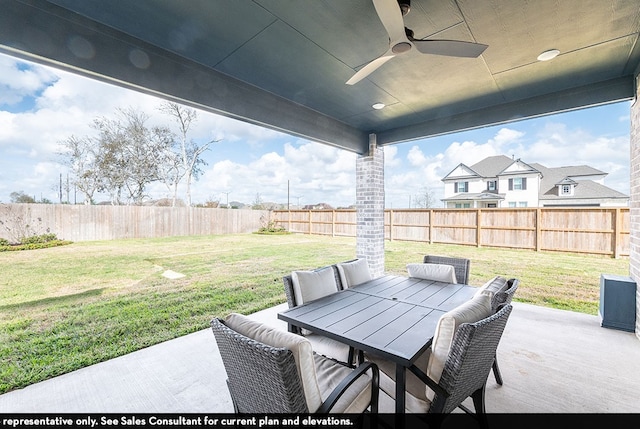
{"points": [[618, 302]]}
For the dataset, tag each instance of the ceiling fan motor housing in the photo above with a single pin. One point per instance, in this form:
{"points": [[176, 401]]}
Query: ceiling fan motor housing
{"points": [[405, 6]]}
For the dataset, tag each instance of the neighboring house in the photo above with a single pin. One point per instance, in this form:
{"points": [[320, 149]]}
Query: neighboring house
{"points": [[500, 181]]}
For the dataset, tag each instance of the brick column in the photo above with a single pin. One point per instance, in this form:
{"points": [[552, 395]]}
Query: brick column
{"points": [[634, 209], [370, 207]]}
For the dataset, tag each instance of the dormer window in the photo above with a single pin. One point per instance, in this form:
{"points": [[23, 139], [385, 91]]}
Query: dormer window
{"points": [[565, 190]]}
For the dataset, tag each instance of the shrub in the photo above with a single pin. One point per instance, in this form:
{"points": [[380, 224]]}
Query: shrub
{"points": [[39, 239], [33, 246]]}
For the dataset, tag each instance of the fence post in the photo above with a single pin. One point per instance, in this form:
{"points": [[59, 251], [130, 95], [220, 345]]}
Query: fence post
{"points": [[391, 225], [431, 226], [478, 226], [310, 222], [538, 222], [333, 223], [616, 232]]}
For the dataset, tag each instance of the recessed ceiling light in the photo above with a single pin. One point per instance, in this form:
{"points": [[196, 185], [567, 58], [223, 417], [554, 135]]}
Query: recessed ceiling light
{"points": [[548, 55], [378, 106]]}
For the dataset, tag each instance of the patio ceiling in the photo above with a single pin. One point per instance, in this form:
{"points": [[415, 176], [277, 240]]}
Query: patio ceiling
{"points": [[283, 64]]}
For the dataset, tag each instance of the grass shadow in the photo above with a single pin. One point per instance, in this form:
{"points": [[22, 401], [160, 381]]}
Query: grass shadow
{"points": [[64, 299]]}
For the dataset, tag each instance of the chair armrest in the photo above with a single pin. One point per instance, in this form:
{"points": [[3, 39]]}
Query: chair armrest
{"points": [[429, 381], [348, 381]]}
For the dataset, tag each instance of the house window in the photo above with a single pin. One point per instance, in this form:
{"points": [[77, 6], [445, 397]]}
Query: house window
{"points": [[566, 189], [462, 186], [518, 184], [522, 204], [512, 203], [463, 205], [491, 185]]}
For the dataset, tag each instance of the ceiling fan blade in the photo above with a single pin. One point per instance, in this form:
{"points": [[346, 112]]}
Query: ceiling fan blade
{"points": [[370, 68], [391, 17], [450, 48]]}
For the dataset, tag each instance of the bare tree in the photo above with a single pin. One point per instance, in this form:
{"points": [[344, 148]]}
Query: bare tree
{"points": [[258, 203], [80, 154], [190, 152], [122, 159], [425, 199]]}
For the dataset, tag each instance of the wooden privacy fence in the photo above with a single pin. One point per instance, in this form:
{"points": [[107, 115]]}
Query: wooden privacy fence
{"points": [[88, 223], [593, 230]]}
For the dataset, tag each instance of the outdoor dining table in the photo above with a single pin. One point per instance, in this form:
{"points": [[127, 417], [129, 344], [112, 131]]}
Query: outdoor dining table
{"points": [[394, 317]]}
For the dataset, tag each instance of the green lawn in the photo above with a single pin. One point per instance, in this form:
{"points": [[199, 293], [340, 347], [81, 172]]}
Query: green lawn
{"points": [[68, 307]]}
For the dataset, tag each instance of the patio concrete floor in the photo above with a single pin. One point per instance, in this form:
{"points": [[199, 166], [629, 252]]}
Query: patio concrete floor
{"points": [[552, 361]]}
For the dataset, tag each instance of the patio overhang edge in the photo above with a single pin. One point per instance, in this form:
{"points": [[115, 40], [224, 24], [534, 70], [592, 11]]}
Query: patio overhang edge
{"points": [[604, 92]]}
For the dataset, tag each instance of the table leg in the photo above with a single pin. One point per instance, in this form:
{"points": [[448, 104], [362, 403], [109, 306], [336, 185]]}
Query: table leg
{"points": [[401, 380]]}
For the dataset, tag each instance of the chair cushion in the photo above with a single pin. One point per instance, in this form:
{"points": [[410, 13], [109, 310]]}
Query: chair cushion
{"points": [[493, 286], [310, 285], [477, 308], [354, 273], [328, 347], [437, 272], [330, 373], [299, 346]]}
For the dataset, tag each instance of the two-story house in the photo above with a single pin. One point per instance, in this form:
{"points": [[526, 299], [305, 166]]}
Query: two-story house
{"points": [[500, 181]]}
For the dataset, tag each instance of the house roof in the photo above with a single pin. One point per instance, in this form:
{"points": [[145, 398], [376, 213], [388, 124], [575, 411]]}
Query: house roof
{"points": [[492, 165], [573, 171], [475, 196], [585, 189], [284, 64]]}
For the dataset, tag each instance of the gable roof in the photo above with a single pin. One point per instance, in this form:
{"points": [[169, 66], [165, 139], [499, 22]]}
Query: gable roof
{"points": [[473, 173], [492, 165], [551, 177], [585, 189], [571, 171]]}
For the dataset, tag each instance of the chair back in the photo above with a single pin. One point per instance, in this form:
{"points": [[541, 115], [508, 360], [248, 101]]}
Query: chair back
{"points": [[461, 265], [291, 297], [261, 378], [505, 296], [470, 360]]}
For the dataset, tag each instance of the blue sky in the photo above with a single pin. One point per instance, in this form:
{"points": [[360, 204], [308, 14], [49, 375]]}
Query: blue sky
{"points": [[42, 106]]}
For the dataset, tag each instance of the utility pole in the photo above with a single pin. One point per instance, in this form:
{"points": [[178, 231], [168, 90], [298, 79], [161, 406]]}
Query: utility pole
{"points": [[227, 193]]}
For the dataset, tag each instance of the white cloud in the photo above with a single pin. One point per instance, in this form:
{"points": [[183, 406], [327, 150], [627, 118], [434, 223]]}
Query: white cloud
{"points": [[312, 172], [21, 80]]}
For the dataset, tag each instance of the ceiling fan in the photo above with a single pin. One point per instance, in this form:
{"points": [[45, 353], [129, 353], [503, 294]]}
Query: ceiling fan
{"points": [[401, 41]]}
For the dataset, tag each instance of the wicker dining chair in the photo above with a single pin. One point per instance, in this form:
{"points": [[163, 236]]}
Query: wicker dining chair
{"points": [[499, 299], [274, 371], [321, 344], [465, 371], [460, 265]]}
